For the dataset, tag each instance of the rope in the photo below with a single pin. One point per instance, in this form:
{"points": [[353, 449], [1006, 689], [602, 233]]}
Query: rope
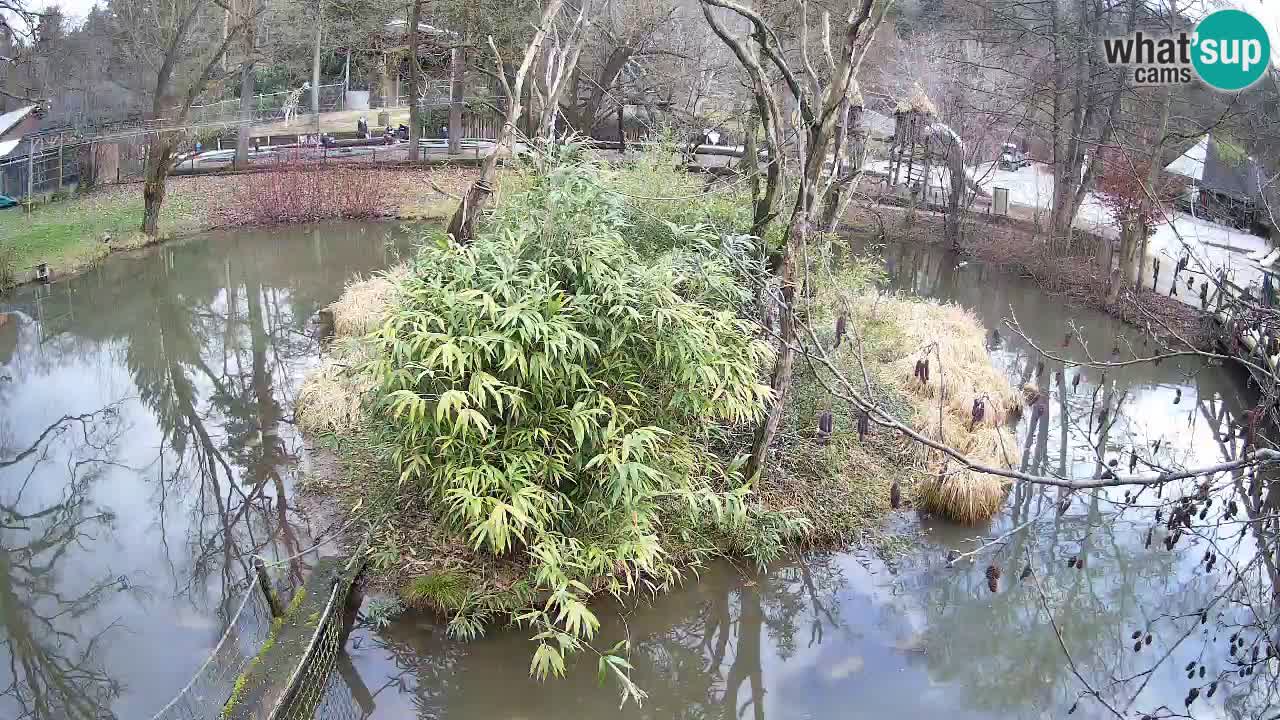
{"points": [[323, 539]]}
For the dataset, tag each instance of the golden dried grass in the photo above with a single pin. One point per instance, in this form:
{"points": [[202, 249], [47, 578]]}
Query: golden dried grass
{"points": [[363, 305], [332, 396], [960, 371]]}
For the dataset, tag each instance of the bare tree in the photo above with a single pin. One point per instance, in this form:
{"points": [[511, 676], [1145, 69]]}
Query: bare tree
{"points": [[462, 224], [170, 39], [818, 109]]}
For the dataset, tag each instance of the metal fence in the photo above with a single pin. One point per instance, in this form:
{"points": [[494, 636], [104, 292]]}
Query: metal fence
{"points": [[206, 694], [268, 106], [47, 169], [314, 689]]}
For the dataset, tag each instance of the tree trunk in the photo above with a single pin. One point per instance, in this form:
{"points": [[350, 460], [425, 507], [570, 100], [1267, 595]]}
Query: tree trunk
{"points": [[622, 128], [456, 70], [246, 96], [415, 120], [462, 224], [159, 155], [315, 65]]}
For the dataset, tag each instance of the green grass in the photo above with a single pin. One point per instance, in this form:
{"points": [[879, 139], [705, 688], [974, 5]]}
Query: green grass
{"points": [[68, 235]]}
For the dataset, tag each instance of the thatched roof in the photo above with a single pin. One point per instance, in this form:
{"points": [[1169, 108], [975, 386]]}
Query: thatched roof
{"points": [[918, 102]]}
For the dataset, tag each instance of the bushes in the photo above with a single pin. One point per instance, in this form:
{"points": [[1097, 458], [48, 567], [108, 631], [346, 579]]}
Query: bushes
{"points": [[551, 394], [8, 265], [305, 193]]}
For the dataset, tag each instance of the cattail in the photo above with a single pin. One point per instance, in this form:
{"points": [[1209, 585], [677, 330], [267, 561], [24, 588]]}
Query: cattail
{"points": [[895, 495], [840, 328], [1252, 419], [978, 412], [993, 578]]}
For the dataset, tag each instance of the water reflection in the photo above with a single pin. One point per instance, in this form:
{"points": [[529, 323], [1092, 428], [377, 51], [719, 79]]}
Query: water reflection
{"points": [[844, 636], [146, 452]]}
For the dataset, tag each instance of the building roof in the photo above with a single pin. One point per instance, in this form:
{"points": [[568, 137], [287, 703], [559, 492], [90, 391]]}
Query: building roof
{"points": [[1219, 167], [7, 147], [877, 124], [1190, 164], [11, 119]]}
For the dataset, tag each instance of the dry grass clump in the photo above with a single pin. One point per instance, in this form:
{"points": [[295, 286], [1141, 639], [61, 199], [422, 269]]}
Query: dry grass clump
{"points": [[332, 396], [917, 101], [331, 399], [953, 342], [363, 305]]}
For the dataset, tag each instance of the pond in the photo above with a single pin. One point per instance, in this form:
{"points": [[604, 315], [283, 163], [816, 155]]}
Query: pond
{"points": [[147, 451], [847, 635]]}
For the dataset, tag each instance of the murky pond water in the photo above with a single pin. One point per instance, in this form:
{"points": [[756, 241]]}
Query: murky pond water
{"points": [[844, 635], [146, 452]]}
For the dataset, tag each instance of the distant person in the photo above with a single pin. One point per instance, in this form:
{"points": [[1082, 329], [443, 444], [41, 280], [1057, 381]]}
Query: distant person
{"points": [[444, 131], [362, 127]]}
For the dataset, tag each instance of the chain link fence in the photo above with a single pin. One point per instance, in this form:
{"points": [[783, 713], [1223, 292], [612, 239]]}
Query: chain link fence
{"points": [[268, 106], [314, 689], [205, 695]]}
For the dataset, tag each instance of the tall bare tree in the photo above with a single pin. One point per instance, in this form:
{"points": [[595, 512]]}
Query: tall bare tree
{"points": [[818, 108], [173, 40], [462, 224]]}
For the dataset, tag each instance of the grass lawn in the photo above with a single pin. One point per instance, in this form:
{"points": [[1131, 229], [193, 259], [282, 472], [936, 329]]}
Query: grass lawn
{"points": [[69, 234]]}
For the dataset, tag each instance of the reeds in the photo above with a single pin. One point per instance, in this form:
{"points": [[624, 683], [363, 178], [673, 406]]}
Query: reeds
{"points": [[960, 372]]}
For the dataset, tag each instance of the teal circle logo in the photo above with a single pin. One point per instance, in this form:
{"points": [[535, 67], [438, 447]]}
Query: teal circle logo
{"points": [[1232, 50]]}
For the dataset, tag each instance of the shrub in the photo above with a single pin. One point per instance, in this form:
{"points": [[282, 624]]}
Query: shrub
{"points": [[304, 193], [8, 265], [552, 393]]}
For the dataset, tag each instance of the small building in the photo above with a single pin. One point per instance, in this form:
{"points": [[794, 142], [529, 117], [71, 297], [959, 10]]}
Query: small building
{"points": [[16, 123], [1224, 184]]}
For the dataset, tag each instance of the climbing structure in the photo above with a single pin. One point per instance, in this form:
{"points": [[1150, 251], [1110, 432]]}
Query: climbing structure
{"points": [[909, 156]]}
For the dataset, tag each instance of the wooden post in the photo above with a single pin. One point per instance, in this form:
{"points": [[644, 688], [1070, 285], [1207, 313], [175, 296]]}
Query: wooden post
{"points": [[264, 584], [31, 170], [61, 166]]}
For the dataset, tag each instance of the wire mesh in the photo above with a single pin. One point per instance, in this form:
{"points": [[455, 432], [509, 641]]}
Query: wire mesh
{"points": [[315, 690], [205, 695]]}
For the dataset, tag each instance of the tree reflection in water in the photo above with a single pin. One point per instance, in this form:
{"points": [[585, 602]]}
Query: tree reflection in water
{"points": [[209, 341], [53, 670]]}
